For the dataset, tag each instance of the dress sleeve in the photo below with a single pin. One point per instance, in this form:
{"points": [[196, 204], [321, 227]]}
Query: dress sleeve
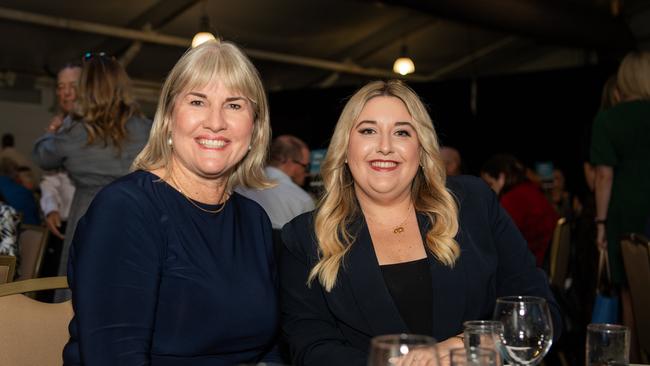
{"points": [[517, 273], [114, 272], [307, 323], [602, 149], [47, 153]]}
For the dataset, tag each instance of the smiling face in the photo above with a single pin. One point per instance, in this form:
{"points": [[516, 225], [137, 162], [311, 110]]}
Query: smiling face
{"points": [[211, 130], [67, 82], [383, 150]]}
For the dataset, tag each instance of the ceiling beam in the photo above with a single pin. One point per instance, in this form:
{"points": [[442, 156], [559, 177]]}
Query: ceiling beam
{"points": [[557, 22], [168, 40], [155, 17]]}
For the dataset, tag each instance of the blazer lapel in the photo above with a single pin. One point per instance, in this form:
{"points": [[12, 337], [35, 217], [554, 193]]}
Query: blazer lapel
{"points": [[368, 287], [448, 291]]}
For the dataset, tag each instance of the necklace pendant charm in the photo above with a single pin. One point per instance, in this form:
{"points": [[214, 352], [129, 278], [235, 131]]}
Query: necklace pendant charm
{"points": [[398, 230]]}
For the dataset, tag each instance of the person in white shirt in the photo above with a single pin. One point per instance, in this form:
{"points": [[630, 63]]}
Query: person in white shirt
{"points": [[56, 197], [288, 167]]}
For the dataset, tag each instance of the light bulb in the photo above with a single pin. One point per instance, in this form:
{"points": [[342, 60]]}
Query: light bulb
{"points": [[202, 37], [404, 66]]}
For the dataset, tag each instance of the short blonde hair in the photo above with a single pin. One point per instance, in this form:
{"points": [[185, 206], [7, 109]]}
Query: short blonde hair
{"points": [[633, 78], [199, 66], [339, 206]]}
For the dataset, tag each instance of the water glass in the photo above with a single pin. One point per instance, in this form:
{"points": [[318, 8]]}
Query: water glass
{"points": [[472, 356], [527, 328], [485, 334], [403, 349], [607, 344]]}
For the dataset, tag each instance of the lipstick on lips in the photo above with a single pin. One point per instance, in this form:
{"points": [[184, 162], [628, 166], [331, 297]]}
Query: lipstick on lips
{"points": [[383, 165], [211, 143]]}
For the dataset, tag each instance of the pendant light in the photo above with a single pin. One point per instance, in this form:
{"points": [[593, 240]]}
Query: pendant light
{"points": [[404, 65], [204, 34]]}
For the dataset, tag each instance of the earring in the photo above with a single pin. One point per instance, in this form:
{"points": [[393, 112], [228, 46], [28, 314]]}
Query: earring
{"points": [[250, 147], [169, 141], [346, 161]]}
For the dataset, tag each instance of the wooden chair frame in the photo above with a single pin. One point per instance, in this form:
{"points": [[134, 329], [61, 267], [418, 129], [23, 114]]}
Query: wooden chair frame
{"points": [[9, 261], [41, 249]]}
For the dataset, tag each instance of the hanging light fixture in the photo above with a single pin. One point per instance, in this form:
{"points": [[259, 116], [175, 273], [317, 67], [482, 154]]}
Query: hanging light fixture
{"points": [[404, 65], [204, 34]]}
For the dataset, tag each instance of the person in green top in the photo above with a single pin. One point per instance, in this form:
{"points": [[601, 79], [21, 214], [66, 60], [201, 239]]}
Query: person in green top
{"points": [[620, 151]]}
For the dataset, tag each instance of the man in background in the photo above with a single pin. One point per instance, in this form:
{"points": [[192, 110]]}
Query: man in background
{"points": [[453, 163], [288, 167]]}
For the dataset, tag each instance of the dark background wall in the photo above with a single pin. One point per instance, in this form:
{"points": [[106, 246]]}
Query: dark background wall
{"points": [[542, 116]]}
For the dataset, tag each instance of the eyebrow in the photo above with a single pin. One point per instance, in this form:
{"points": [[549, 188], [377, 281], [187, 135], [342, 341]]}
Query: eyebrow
{"points": [[204, 96], [401, 123]]}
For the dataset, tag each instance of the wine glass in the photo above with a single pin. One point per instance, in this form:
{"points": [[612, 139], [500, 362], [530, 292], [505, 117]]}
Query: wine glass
{"points": [[527, 328], [403, 349]]}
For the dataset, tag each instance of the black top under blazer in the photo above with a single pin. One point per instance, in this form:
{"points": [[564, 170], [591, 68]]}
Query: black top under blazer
{"points": [[335, 328]]}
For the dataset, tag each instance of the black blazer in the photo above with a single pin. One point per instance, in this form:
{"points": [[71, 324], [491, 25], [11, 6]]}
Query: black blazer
{"points": [[335, 328]]}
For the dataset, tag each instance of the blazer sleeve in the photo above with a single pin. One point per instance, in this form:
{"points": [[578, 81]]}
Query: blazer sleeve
{"points": [[517, 273], [114, 272], [307, 323]]}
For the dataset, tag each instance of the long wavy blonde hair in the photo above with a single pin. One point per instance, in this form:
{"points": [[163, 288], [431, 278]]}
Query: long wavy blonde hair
{"points": [[199, 66], [105, 100], [339, 206]]}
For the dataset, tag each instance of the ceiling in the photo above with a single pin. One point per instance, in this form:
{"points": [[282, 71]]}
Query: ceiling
{"points": [[300, 44]]}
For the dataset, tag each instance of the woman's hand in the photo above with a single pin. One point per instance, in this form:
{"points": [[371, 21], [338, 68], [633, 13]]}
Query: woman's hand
{"points": [[446, 346], [55, 123]]}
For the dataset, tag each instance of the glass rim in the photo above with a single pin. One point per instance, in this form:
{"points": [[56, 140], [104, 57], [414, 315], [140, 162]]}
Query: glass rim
{"points": [[521, 299], [402, 338], [482, 323], [609, 328]]}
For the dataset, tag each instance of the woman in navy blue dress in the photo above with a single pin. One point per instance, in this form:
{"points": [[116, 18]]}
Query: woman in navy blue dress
{"points": [[169, 266]]}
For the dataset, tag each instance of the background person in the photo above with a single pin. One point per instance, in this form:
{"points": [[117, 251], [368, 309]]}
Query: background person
{"points": [[621, 154], [523, 200], [98, 142], [288, 167]]}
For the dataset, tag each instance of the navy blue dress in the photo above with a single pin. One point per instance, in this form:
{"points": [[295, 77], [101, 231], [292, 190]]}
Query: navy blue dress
{"points": [[156, 281]]}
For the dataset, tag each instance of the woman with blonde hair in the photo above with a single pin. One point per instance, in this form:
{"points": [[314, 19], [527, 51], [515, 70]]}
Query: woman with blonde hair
{"points": [[98, 140], [620, 151], [169, 266], [392, 246]]}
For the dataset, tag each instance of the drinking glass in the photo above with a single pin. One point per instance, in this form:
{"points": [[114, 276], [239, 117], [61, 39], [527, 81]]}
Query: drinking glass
{"points": [[607, 344], [472, 356], [485, 334], [527, 328], [403, 349]]}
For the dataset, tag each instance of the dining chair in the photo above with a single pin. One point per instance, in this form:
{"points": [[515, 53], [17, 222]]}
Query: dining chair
{"points": [[32, 240], [32, 332], [560, 251], [636, 257], [7, 268]]}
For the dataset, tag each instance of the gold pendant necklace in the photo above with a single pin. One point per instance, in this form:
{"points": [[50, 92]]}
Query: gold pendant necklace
{"points": [[400, 228], [180, 190]]}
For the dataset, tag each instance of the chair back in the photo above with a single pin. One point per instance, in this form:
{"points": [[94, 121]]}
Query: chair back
{"points": [[560, 251], [33, 332], [7, 268], [31, 242], [636, 257]]}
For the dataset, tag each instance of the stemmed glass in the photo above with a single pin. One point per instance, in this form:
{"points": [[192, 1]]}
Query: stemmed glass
{"points": [[403, 349], [527, 328]]}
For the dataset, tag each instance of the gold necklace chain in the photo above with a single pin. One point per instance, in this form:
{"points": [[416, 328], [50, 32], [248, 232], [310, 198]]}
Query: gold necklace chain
{"points": [[399, 229], [180, 190]]}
